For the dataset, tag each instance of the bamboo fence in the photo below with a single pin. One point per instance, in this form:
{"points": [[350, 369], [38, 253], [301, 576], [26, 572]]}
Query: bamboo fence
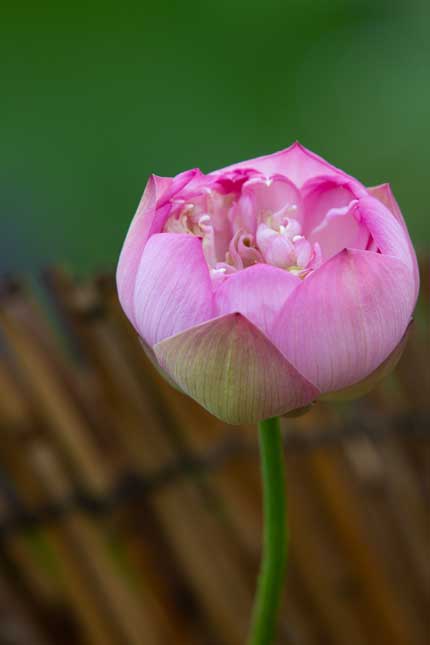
{"points": [[129, 516]]}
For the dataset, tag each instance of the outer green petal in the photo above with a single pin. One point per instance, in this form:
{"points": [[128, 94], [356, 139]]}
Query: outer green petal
{"points": [[234, 371]]}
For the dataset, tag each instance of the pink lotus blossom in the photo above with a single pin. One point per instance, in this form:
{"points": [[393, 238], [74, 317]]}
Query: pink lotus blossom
{"points": [[268, 284]]}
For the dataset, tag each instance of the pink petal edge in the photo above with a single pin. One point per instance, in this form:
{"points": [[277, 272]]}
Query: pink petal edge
{"points": [[385, 195], [150, 216], [296, 162], [173, 288], [346, 318], [258, 292]]}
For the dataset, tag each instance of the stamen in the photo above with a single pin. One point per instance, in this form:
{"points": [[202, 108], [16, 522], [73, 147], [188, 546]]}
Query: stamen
{"points": [[237, 233], [218, 273], [205, 221]]}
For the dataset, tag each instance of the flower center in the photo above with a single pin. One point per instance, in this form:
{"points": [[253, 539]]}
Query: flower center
{"points": [[237, 232]]}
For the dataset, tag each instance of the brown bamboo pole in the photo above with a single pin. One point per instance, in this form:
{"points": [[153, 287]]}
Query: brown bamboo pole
{"points": [[300, 615], [325, 575], [14, 422], [390, 613], [96, 589], [68, 579], [17, 625], [53, 404], [409, 508], [129, 619]]}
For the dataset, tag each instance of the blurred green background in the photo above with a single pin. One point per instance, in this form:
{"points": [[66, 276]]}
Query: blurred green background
{"points": [[96, 96]]}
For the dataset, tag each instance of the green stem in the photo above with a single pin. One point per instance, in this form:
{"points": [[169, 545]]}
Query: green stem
{"points": [[270, 582]]}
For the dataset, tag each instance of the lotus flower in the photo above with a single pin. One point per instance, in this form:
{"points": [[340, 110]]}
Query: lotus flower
{"points": [[261, 287]]}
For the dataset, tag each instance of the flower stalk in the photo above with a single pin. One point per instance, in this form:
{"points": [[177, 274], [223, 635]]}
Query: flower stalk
{"points": [[275, 538]]}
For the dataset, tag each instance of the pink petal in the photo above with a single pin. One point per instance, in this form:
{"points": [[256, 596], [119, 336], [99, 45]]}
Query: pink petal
{"points": [[304, 251], [385, 195], [273, 196], [346, 318], [189, 179], [276, 249], [234, 371], [150, 216], [173, 288], [133, 245], [232, 181], [322, 194], [338, 230], [296, 162], [390, 237], [162, 186], [363, 387], [258, 292]]}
